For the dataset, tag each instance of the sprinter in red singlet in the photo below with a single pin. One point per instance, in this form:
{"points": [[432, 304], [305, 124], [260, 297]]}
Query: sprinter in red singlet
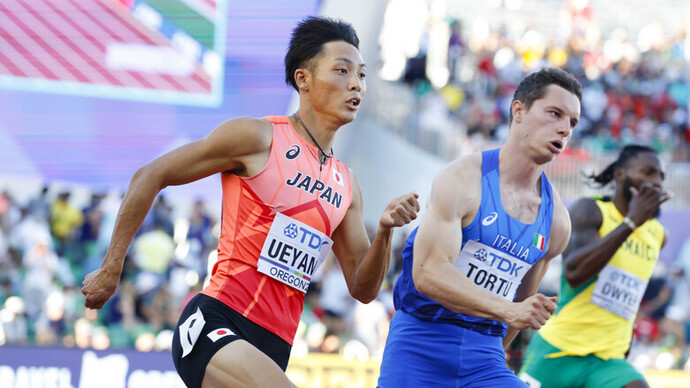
{"points": [[287, 202]]}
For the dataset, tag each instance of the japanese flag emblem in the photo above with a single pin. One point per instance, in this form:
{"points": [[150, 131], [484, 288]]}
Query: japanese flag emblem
{"points": [[217, 334], [338, 178]]}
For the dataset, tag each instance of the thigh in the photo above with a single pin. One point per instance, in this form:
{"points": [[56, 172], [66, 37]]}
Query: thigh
{"points": [[541, 370], [201, 331], [503, 378], [426, 354], [415, 356], [483, 363], [206, 327], [240, 364], [614, 373]]}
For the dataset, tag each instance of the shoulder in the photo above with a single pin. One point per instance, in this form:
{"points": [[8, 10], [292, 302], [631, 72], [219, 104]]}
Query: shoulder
{"points": [[585, 213], [583, 218], [463, 168], [254, 133], [457, 187], [354, 183]]}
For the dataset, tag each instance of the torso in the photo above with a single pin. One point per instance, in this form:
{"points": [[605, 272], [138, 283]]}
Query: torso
{"points": [[497, 250], [278, 222], [609, 302]]}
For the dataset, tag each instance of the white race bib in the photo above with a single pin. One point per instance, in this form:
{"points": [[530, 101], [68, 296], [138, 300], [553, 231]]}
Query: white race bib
{"points": [[492, 270], [618, 291], [529, 380], [293, 251]]}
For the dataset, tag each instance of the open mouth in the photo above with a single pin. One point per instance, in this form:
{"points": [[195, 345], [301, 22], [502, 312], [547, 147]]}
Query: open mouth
{"points": [[354, 101], [557, 144]]}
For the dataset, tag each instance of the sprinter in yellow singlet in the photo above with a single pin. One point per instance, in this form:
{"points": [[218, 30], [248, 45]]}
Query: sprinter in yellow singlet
{"points": [[613, 248]]}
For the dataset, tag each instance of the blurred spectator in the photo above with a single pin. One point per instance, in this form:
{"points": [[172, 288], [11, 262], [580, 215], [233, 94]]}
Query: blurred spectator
{"points": [[370, 326], [64, 222], [90, 229], [162, 215], [40, 206], [40, 263], [456, 46], [335, 299], [153, 250]]}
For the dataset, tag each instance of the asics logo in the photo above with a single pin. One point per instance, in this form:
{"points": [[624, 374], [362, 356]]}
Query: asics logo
{"points": [[488, 220], [292, 152]]}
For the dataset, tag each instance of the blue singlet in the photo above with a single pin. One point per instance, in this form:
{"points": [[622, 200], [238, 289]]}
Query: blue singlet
{"points": [[431, 345]]}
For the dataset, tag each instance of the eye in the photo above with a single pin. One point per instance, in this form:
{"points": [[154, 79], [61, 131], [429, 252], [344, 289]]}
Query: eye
{"points": [[342, 71], [555, 114], [362, 75]]}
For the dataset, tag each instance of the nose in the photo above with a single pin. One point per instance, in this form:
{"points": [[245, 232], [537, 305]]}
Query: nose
{"points": [[657, 181], [564, 128], [356, 84]]}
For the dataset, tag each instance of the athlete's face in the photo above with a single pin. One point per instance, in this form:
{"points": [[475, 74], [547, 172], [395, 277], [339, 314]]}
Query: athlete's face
{"points": [[337, 82], [645, 167], [546, 127]]}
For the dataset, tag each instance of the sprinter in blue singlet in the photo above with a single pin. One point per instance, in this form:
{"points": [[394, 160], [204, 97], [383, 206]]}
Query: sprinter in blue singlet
{"points": [[472, 267]]}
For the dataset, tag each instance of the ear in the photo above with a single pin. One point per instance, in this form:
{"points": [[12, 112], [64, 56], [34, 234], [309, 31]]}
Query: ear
{"points": [[302, 79], [518, 110], [619, 174]]}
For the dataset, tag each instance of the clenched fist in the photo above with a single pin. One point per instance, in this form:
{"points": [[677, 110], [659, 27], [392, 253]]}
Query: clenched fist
{"points": [[98, 287], [400, 211], [532, 312]]}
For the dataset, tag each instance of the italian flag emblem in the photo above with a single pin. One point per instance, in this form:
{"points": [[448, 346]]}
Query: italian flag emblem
{"points": [[539, 241]]}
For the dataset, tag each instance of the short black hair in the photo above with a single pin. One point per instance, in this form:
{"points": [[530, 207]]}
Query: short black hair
{"points": [[308, 38], [533, 87], [628, 152]]}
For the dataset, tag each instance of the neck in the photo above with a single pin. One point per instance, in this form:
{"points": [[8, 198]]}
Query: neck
{"points": [[518, 170], [322, 126], [620, 202], [321, 140]]}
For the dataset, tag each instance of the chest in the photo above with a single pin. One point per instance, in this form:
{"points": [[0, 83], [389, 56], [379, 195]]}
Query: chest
{"points": [[296, 184], [523, 207]]}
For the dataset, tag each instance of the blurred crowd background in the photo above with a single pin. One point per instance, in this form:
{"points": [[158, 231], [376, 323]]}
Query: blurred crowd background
{"points": [[443, 84]]}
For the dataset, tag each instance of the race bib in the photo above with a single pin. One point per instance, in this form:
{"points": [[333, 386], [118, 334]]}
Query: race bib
{"points": [[492, 270], [293, 251], [619, 292], [529, 380]]}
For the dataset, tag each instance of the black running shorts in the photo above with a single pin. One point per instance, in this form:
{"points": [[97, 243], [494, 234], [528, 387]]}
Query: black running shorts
{"points": [[205, 326]]}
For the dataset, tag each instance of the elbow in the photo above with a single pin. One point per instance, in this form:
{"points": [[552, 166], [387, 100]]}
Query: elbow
{"points": [[423, 281], [141, 175], [573, 278], [364, 296], [147, 175]]}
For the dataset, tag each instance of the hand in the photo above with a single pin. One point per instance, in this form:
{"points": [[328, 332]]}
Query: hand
{"points": [[98, 287], [400, 211], [532, 312], [645, 202]]}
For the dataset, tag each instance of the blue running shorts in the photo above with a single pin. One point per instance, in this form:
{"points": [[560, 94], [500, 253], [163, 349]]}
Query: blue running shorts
{"points": [[427, 354]]}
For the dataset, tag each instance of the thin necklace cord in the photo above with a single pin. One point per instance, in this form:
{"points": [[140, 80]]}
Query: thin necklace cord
{"points": [[325, 156]]}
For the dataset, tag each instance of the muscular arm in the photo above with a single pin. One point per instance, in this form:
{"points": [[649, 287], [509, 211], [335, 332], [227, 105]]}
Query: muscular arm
{"points": [[365, 264], [438, 244], [587, 253], [237, 145]]}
